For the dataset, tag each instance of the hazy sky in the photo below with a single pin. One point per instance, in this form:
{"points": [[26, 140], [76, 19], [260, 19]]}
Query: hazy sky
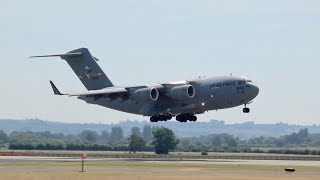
{"points": [[275, 43]]}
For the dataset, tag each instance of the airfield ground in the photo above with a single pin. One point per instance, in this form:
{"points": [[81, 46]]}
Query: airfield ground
{"points": [[50, 168], [152, 156]]}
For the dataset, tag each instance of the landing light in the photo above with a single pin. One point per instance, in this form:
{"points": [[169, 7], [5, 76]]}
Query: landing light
{"points": [[203, 104]]}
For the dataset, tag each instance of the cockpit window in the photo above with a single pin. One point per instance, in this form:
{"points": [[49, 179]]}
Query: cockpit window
{"points": [[241, 82], [244, 81]]}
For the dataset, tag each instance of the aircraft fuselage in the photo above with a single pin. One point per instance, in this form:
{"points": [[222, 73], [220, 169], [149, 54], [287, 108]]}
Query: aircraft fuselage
{"points": [[213, 93]]}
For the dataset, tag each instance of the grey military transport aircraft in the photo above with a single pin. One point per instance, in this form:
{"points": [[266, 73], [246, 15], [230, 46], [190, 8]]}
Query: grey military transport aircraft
{"points": [[182, 99]]}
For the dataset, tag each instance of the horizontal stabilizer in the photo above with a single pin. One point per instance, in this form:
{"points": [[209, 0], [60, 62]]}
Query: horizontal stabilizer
{"points": [[55, 89], [60, 55]]}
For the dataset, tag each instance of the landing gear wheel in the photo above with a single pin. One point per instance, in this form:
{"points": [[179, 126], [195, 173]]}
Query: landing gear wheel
{"points": [[154, 118], [178, 118], [193, 118], [162, 118], [157, 117], [186, 117], [181, 118], [151, 119], [246, 110]]}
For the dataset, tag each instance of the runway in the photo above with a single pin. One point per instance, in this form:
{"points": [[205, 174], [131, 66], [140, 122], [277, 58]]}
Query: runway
{"points": [[18, 159]]}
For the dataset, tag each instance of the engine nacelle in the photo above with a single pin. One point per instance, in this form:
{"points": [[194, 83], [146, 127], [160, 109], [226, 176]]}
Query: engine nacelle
{"points": [[183, 92], [146, 94]]}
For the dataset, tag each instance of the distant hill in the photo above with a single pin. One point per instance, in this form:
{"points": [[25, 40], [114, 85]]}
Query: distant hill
{"points": [[243, 130]]}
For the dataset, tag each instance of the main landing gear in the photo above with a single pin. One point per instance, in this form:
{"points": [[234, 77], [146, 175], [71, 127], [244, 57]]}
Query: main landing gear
{"points": [[245, 109], [156, 118], [180, 117], [186, 117]]}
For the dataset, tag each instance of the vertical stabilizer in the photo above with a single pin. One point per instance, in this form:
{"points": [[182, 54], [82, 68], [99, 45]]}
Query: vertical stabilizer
{"points": [[87, 69]]}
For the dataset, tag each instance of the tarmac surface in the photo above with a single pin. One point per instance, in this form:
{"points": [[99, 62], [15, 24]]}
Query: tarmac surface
{"points": [[19, 159]]}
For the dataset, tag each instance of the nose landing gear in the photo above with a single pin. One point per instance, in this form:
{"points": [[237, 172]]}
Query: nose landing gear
{"points": [[245, 109]]}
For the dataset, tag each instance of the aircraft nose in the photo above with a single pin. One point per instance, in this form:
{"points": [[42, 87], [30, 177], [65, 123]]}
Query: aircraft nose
{"points": [[255, 90]]}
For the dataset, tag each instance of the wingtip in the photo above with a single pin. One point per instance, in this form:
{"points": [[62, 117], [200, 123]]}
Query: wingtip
{"points": [[32, 57], [52, 84]]}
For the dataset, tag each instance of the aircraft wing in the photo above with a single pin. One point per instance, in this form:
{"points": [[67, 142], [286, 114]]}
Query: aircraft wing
{"points": [[116, 90], [106, 91], [100, 92]]}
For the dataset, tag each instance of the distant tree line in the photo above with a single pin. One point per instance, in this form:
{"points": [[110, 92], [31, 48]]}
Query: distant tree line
{"points": [[161, 140], [302, 138], [217, 142], [287, 144], [93, 141], [214, 143]]}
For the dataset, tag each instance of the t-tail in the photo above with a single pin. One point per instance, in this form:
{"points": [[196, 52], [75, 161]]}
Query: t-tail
{"points": [[86, 68]]}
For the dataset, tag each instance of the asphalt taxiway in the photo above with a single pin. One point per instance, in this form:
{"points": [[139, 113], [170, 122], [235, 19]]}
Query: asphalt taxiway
{"points": [[18, 159]]}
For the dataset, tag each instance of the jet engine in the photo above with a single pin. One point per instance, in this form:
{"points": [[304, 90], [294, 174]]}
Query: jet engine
{"points": [[183, 92], [146, 94]]}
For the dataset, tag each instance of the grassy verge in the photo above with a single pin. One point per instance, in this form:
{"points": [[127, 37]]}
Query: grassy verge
{"points": [[133, 170]]}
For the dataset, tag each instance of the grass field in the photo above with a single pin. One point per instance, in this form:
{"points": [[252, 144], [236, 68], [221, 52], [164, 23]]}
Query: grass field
{"points": [[133, 170]]}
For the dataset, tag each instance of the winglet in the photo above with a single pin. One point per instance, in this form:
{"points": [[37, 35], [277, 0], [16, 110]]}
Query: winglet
{"points": [[55, 89]]}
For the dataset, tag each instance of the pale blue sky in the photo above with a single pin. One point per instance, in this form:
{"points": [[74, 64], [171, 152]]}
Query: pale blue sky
{"points": [[275, 43]]}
